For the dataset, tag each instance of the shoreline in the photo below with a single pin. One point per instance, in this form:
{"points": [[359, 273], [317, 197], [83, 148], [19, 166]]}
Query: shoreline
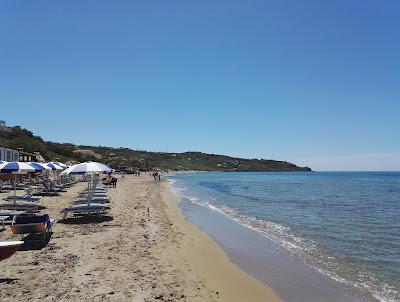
{"points": [[210, 262], [142, 250], [261, 257]]}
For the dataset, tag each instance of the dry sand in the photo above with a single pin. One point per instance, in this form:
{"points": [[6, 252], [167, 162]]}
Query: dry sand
{"points": [[143, 251]]}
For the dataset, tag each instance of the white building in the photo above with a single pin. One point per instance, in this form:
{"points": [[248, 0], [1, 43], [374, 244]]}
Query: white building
{"points": [[8, 154]]}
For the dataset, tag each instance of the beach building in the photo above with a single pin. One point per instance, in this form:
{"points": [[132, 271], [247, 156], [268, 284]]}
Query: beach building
{"points": [[9, 154], [30, 156]]}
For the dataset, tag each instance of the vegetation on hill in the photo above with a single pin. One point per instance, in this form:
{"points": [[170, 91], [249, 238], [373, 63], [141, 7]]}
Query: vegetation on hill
{"points": [[17, 137]]}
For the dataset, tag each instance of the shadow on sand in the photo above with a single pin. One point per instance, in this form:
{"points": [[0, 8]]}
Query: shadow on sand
{"points": [[34, 242], [48, 194], [86, 219], [8, 280], [20, 206]]}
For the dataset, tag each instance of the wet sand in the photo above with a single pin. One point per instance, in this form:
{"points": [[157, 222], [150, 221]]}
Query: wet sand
{"points": [[143, 250], [267, 261]]}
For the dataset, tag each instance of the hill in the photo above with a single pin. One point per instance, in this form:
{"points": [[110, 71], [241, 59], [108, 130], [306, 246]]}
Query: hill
{"points": [[17, 137]]}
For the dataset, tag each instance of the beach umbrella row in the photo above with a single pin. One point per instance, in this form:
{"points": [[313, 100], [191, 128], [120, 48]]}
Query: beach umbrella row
{"points": [[18, 167], [28, 167]]}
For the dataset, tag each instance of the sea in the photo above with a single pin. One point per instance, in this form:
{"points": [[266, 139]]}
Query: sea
{"points": [[320, 236]]}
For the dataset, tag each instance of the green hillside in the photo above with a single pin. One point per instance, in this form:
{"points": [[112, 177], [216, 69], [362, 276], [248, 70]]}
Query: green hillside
{"points": [[17, 137]]}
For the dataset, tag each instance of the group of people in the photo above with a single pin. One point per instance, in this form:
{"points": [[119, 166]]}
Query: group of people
{"points": [[156, 176]]}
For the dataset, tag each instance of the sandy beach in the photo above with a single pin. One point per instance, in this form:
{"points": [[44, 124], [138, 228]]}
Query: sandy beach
{"points": [[144, 250]]}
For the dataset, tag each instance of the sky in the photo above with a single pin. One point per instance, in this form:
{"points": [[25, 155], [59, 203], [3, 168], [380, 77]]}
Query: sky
{"points": [[316, 83]]}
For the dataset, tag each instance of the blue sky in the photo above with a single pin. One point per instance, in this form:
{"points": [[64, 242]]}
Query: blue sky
{"points": [[313, 82]]}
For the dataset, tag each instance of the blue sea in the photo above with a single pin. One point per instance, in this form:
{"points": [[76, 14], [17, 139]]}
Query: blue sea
{"points": [[345, 225]]}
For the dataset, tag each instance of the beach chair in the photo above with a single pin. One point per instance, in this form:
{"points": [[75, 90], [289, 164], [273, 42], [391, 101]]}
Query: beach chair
{"points": [[22, 205], [55, 187], [19, 185], [11, 212], [103, 195], [27, 197], [4, 187], [8, 248], [86, 209], [48, 190], [32, 224], [100, 200]]}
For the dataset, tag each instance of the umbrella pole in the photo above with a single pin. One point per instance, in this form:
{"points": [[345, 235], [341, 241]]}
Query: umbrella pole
{"points": [[88, 191], [15, 188], [29, 190]]}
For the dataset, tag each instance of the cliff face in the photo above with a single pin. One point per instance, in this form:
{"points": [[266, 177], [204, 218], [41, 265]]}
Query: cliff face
{"points": [[17, 137]]}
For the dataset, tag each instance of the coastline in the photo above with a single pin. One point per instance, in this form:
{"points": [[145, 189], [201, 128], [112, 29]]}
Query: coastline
{"points": [[143, 250], [209, 262], [258, 254]]}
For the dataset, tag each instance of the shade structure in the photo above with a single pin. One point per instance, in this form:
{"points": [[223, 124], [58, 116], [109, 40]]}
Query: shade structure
{"points": [[54, 166], [45, 166], [39, 167], [88, 167], [16, 167], [64, 166]]}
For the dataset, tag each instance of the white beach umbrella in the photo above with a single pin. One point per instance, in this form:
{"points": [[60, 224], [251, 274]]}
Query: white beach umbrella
{"points": [[14, 168], [88, 167], [68, 170]]}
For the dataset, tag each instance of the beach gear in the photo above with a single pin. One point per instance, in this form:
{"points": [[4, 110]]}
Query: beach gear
{"points": [[14, 168], [64, 166], [32, 224], [91, 209], [54, 166], [8, 248], [88, 167], [95, 190]]}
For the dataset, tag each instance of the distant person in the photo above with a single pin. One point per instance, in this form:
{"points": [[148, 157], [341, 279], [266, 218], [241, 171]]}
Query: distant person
{"points": [[114, 182]]}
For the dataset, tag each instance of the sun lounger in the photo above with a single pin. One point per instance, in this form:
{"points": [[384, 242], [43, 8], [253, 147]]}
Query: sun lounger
{"points": [[11, 213], [27, 207], [85, 209], [2, 219], [99, 190], [8, 248], [4, 187], [26, 197], [32, 224], [92, 201], [55, 186], [93, 196], [49, 190]]}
